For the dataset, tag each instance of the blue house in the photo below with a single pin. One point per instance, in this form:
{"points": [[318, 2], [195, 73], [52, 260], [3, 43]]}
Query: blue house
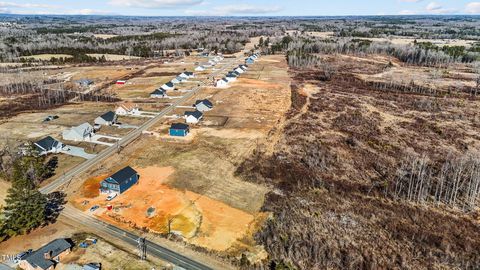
{"points": [[249, 61], [120, 181], [179, 130]]}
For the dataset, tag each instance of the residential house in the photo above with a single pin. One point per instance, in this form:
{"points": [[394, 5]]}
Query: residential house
{"points": [[231, 77], [127, 109], [120, 181], [203, 105], [92, 266], [193, 117], [249, 61], [84, 82], [106, 119], [239, 70], [82, 132], [158, 93], [244, 67], [168, 86], [179, 130], [187, 75], [200, 68], [48, 256], [178, 79], [121, 82], [48, 145], [222, 83]]}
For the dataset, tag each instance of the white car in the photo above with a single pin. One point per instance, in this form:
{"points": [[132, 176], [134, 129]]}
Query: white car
{"points": [[111, 196]]}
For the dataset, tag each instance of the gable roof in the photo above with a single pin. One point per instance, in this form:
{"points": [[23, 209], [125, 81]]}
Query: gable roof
{"points": [[108, 116], [37, 258], [196, 114], [189, 73], [158, 91], [122, 176], [205, 102], [46, 143], [179, 126], [84, 81], [169, 84], [80, 129], [180, 78], [128, 106]]}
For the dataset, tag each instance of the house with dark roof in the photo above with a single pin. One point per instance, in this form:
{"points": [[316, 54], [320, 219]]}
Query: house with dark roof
{"points": [[187, 75], [159, 93], [203, 105], [222, 83], [193, 117], [48, 256], [179, 130], [120, 181], [84, 82], [92, 266], [106, 119], [48, 145], [168, 86]]}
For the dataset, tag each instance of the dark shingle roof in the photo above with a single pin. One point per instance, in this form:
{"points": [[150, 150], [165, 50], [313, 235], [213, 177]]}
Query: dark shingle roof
{"points": [[108, 116], [158, 91], [195, 114], [37, 258], [180, 126], [169, 84], [46, 143], [123, 175], [188, 73], [206, 102]]}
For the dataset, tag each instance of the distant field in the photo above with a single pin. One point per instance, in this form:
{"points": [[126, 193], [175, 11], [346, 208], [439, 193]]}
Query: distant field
{"points": [[104, 36], [46, 57], [113, 57]]}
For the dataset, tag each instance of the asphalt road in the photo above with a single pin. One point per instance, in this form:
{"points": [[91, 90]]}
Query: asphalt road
{"points": [[96, 225]]}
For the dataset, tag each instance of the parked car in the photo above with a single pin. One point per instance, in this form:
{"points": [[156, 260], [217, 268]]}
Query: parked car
{"points": [[93, 208], [111, 196], [50, 118]]}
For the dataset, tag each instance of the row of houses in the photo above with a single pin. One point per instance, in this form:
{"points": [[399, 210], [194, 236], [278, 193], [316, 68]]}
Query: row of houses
{"points": [[231, 76], [191, 117], [161, 92], [211, 63]]}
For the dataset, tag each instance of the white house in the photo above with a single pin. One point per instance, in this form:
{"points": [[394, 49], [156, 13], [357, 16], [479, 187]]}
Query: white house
{"points": [[193, 117], [82, 132], [239, 70], [127, 109], [168, 86], [200, 68], [222, 83], [158, 93], [187, 75], [203, 105], [106, 119], [231, 78], [48, 145]]}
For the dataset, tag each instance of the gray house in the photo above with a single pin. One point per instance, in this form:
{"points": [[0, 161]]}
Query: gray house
{"points": [[48, 145], [106, 119], [82, 132], [203, 105], [84, 82], [48, 256], [159, 93]]}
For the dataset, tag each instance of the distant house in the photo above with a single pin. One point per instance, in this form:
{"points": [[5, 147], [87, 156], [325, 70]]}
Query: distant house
{"points": [[106, 119], [213, 63], [187, 75], [48, 145], [178, 79], [120, 181], [239, 70], [158, 93], [84, 82], [92, 266], [179, 130], [244, 67], [48, 256], [200, 68], [235, 73], [82, 132], [249, 61], [127, 109], [193, 117], [121, 82], [231, 77], [168, 86], [203, 105], [222, 83]]}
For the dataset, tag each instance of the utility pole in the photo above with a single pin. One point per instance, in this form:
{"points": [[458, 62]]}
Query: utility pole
{"points": [[142, 248]]}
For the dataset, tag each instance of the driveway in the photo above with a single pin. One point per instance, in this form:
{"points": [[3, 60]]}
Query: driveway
{"points": [[77, 152], [96, 139]]}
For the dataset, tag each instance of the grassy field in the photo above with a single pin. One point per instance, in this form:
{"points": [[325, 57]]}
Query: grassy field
{"points": [[113, 57]]}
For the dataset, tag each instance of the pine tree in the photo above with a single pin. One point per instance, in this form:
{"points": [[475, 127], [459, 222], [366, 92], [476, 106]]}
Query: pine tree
{"points": [[25, 205]]}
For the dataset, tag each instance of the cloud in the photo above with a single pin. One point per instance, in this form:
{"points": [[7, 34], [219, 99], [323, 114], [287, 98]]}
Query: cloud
{"points": [[5, 5], [411, 1], [473, 8], [436, 8], [433, 6], [154, 3], [235, 10]]}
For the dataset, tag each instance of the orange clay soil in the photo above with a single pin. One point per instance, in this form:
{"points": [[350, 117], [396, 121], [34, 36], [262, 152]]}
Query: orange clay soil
{"points": [[202, 221]]}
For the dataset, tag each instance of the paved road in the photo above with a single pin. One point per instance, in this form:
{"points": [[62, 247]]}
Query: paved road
{"points": [[123, 235]]}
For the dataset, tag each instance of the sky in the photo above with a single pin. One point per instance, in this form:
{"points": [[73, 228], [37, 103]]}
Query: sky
{"points": [[240, 7]]}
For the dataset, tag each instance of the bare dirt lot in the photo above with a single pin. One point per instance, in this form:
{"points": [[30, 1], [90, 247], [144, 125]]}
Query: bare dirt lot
{"points": [[194, 179]]}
